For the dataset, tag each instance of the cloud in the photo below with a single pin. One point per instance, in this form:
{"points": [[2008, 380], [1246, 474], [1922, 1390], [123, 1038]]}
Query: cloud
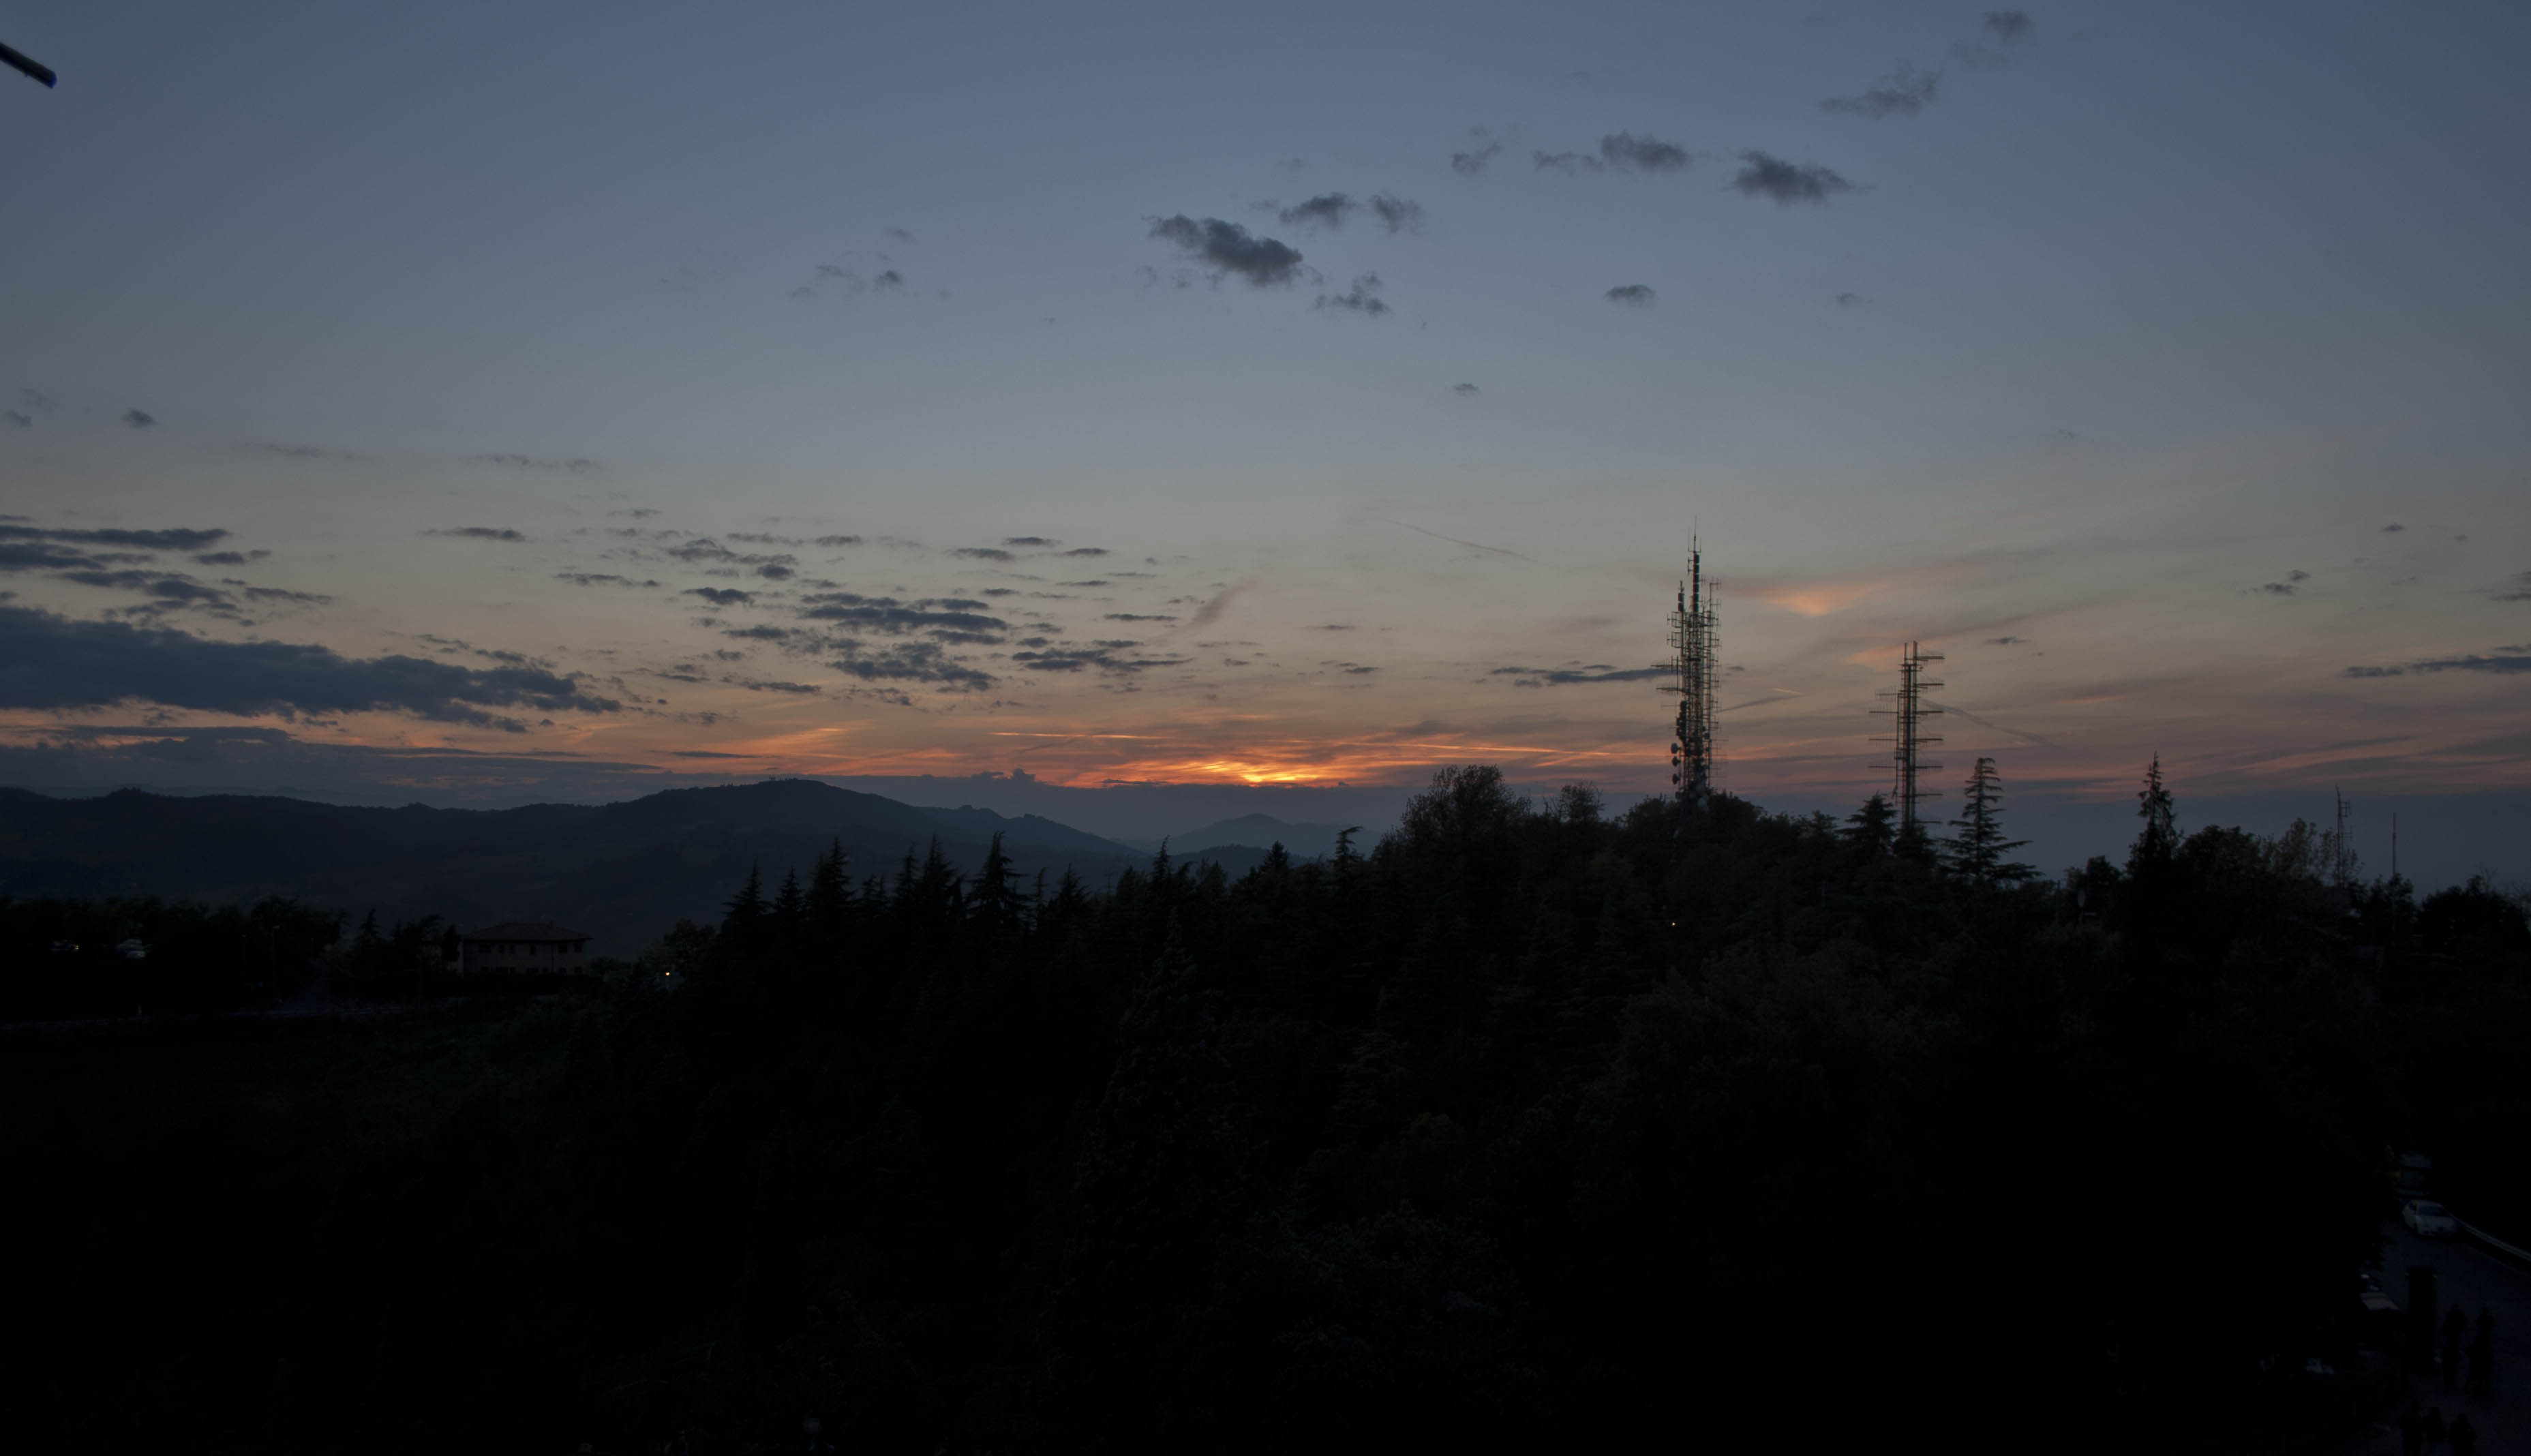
{"points": [[599, 579], [890, 279], [480, 532], [574, 464], [15, 420], [1786, 183], [912, 662], [1087, 551], [2392, 528], [2009, 26], [299, 452], [171, 588], [1632, 294], [1903, 94], [49, 556], [753, 685], [721, 596], [1103, 656], [1598, 672], [54, 662], [2506, 661], [2297, 575], [2522, 581], [1135, 617], [1328, 211], [2277, 589], [899, 235], [1396, 215], [1628, 152], [1851, 300], [1465, 390], [982, 553], [175, 539], [139, 419], [1364, 299], [1031, 540], [1474, 163], [282, 594], [895, 617], [1228, 248], [1570, 163], [2006, 641], [230, 558]]}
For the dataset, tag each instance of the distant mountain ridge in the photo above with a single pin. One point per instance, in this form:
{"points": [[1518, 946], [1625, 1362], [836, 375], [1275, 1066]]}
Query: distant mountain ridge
{"points": [[623, 872]]}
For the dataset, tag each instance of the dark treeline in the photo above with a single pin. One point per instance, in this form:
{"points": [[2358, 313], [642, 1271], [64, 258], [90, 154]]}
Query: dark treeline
{"points": [[1521, 1126], [82, 958]]}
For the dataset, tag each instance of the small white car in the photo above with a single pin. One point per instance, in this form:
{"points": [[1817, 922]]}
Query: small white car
{"points": [[2428, 1220]]}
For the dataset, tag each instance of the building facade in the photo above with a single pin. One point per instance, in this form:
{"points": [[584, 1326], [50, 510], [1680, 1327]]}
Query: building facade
{"points": [[522, 947]]}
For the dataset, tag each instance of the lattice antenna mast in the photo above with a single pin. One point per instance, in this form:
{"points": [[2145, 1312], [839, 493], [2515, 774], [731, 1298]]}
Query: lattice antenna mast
{"points": [[1908, 743], [1691, 636]]}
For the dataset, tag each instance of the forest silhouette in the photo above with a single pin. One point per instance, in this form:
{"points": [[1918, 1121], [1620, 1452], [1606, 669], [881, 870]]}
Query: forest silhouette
{"points": [[1527, 1124]]}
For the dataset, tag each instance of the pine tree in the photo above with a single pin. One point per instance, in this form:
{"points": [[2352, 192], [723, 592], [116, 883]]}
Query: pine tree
{"points": [[2160, 838], [1872, 828], [745, 908], [996, 902], [1978, 848]]}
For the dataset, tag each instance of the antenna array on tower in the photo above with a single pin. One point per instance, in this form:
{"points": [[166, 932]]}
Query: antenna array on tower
{"points": [[1911, 738], [1691, 635]]}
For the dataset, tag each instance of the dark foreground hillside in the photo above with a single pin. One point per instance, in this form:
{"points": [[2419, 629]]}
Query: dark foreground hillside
{"points": [[1522, 1128]]}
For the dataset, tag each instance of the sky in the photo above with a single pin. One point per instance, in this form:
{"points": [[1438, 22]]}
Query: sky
{"points": [[475, 404]]}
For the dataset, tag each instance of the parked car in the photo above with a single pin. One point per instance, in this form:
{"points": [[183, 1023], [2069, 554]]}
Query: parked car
{"points": [[2428, 1220]]}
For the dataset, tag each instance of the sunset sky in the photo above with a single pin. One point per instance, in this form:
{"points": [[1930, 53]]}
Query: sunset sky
{"points": [[547, 400]]}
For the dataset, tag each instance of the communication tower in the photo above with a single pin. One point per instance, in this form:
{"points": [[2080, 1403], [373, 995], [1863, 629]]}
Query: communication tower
{"points": [[1691, 635], [1911, 738]]}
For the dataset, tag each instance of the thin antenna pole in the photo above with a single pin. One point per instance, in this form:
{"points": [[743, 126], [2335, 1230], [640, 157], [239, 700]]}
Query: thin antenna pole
{"points": [[1691, 635], [1910, 740]]}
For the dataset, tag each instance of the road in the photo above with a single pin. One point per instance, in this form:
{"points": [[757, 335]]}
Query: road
{"points": [[2476, 1281]]}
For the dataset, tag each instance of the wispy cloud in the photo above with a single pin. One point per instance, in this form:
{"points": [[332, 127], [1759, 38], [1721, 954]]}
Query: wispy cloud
{"points": [[1903, 93], [1632, 294], [1362, 298], [480, 532], [575, 465]]}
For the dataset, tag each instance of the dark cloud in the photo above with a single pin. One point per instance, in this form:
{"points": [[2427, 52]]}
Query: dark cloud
{"points": [[573, 464], [1087, 551], [1474, 163], [1034, 541], [1632, 294], [895, 617], [230, 558], [173, 588], [178, 538], [1570, 163], [2009, 26], [899, 235], [982, 553], [47, 556], [2006, 641], [1228, 248], [480, 532], [1135, 617], [1328, 211], [1396, 215], [1902, 95], [721, 596], [2506, 662], [2521, 581], [1598, 672], [838, 540], [55, 662], [1786, 183], [1362, 298], [1102, 657], [299, 452], [1465, 390], [16, 420], [2394, 527], [2277, 589], [753, 685], [2297, 575], [139, 419], [1628, 152], [599, 579], [910, 662], [704, 550], [1851, 300], [282, 595], [890, 279]]}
